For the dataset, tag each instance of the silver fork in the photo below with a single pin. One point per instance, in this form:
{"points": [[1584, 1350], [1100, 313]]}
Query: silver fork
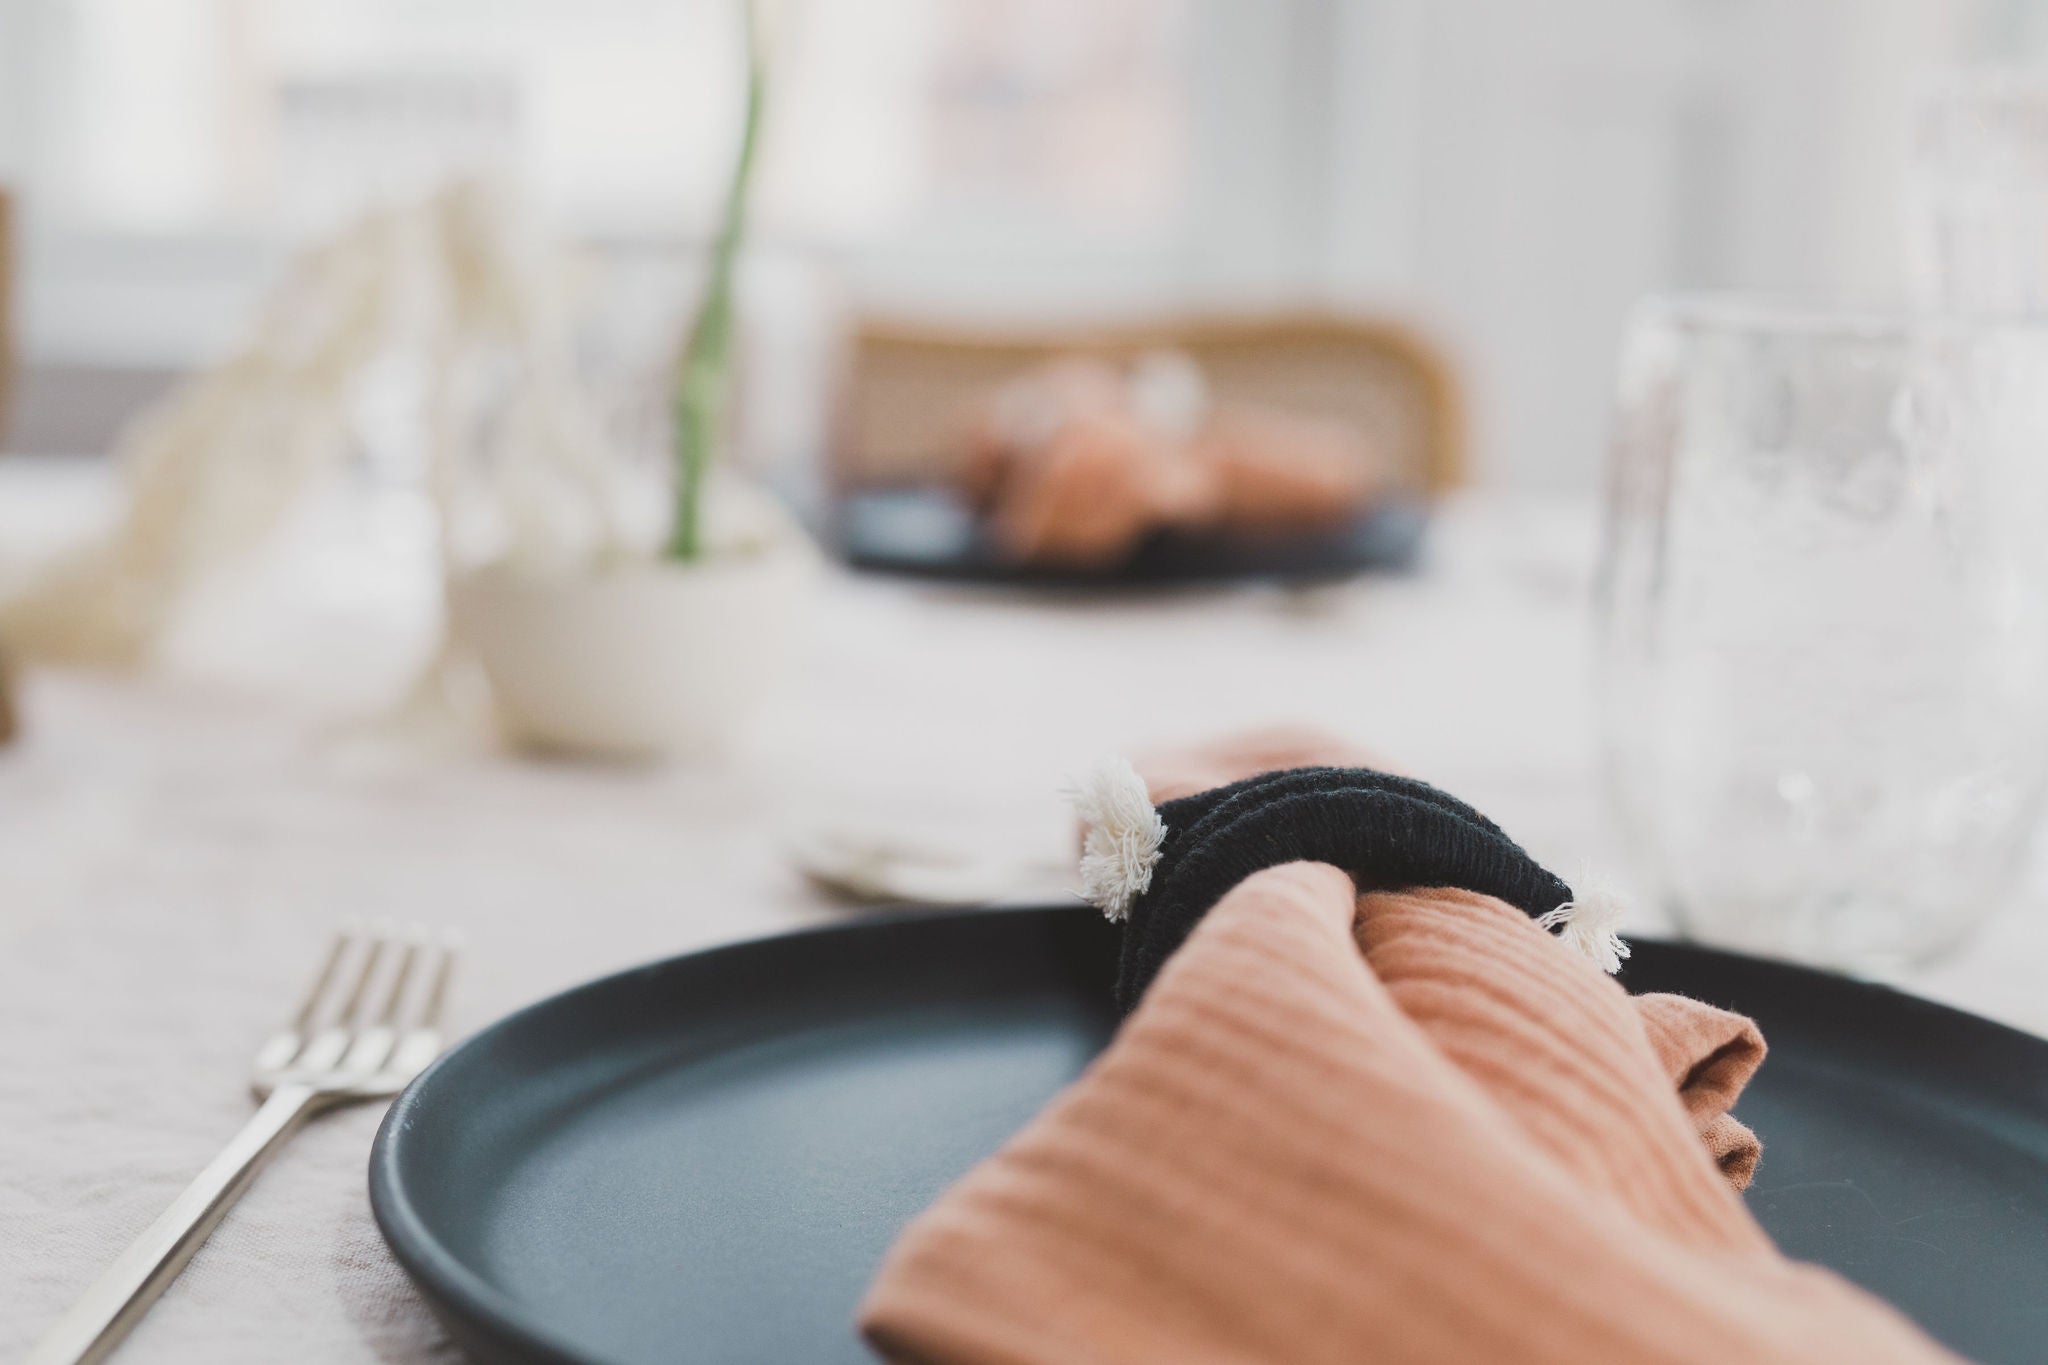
{"points": [[369, 1023]]}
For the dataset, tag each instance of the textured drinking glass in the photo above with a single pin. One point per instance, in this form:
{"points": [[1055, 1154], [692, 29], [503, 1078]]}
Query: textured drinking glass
{"points": [[1825, 622], [1977, 192]]}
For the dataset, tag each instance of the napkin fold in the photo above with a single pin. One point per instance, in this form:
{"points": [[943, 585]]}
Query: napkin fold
{"points": [[1401, 1126], [1708, 1054]]}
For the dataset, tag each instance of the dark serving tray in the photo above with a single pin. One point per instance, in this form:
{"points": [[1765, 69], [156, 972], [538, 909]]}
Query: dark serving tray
{"points": [[704, 1159], [928, 533]]}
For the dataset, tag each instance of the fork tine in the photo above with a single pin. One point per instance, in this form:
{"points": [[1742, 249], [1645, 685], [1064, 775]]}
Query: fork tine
{"points": [[380, 935], [415, 943], [420, 1041], [287, 1043], [437, 992], [437, 995], [370, 1045], [309, 1007]]}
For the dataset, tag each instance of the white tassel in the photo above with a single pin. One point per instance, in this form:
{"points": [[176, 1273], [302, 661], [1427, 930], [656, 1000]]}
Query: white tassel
{"points": [[1124, 833], [1589, 923]]}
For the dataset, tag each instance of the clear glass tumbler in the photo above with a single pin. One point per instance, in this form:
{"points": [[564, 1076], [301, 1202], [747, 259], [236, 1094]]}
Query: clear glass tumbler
{"points": [[1825, 622]]}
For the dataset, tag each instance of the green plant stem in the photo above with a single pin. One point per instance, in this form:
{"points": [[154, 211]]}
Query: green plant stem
{"points": [[704, 378]]}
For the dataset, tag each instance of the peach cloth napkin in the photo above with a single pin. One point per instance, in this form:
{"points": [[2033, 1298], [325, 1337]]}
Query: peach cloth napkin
{"points": [[1399, 1127]]}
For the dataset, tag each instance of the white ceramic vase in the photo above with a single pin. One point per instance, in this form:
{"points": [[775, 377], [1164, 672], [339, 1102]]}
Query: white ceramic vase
{"points": [[645, 659]]}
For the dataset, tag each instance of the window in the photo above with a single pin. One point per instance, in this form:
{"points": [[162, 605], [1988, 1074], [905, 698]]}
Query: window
{"points": [[997, 149]]}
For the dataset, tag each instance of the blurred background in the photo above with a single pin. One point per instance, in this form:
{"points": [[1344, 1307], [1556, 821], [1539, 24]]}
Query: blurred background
{"points": [[1510, 175]]}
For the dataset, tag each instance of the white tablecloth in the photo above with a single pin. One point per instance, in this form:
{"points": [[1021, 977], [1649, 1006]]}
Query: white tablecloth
{"points": [[173, 853]]}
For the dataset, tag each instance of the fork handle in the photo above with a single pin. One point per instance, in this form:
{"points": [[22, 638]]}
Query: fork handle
{"points": [[123, 1293]]}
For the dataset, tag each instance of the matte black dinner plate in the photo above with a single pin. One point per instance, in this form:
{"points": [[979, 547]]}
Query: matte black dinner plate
{"points": [[704, 1159], [928, 533]]}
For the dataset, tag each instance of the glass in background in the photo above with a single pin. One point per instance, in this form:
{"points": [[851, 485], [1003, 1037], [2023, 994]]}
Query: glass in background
{"points": [[1825, 633]]}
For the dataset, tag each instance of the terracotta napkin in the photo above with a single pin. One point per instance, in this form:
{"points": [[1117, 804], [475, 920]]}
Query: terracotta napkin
{"points": [[1401, 1127]]}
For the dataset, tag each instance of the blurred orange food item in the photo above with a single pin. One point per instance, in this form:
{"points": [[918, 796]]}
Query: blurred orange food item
{"points": [[1277, 470], [1076, 463], [1092, 492]]}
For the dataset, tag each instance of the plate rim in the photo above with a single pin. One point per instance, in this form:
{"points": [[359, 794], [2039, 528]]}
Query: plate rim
{"points": [[472, 1308]]}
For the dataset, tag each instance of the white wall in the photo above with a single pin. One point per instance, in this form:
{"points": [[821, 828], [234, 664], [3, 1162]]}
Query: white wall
{"points": [[1563, 158]]}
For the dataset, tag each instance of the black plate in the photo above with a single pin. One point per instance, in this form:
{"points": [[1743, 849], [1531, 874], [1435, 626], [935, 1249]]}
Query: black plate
{"points": [[704, 1159], [929, 533]]}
